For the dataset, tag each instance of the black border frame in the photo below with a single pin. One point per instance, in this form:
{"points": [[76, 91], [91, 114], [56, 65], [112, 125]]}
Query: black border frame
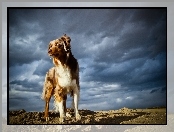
{"points": [[8, 8]]}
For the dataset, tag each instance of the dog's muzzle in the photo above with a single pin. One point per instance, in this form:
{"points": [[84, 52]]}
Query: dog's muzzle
{"points": [[49, 50]]}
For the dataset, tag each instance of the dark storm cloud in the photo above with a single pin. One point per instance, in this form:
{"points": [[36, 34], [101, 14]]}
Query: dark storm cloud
{"points": [[17, 57], [27, 84], [149, 17], [121, 53], [138, 40], [26, 43], [43, 67], [162, 90], [25, 48], [132, 72], [28, 100]]}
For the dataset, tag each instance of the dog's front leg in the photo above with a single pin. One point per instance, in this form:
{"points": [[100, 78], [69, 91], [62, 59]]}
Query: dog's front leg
{"points": [[61, 111], [60, 106], [60, 100]]}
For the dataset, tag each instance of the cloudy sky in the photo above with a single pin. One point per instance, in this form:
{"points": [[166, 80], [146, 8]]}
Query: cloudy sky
{"points": [[122, 55]]}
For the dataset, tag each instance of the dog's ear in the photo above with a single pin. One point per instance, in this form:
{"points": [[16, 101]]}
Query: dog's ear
{"points": [[66, 39]]}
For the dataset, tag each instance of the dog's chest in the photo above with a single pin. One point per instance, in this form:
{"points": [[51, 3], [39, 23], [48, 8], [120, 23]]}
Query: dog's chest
{"points": [[64, 77]]}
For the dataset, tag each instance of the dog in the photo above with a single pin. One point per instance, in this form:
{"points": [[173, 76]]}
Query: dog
{"points": [[62, 79]]}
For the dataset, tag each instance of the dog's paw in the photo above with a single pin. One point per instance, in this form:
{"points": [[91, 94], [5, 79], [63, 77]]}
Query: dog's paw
{"points": [[61, 119], [78, 117], [47, 119]]}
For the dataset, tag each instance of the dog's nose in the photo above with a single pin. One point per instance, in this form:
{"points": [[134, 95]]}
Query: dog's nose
{"points": [[49, 50]]}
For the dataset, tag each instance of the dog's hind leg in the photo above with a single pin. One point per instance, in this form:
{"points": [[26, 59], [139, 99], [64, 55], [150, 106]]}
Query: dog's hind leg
{"points": [[48, 95], [76, 95], [48, 91]]}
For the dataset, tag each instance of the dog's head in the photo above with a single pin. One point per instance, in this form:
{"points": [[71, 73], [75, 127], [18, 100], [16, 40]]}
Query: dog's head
{"points": [[59, 47]]}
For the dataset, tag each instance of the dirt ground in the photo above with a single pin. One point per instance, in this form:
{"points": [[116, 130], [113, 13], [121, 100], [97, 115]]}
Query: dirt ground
{"points": [[121, 116]]}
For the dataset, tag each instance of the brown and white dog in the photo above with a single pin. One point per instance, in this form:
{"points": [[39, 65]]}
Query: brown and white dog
{"points": [[62, 79]]}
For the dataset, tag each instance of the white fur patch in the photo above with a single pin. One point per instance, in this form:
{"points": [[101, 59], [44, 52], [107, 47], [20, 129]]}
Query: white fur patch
{"points": [[65, 78], [60, 108], [64, 46]]}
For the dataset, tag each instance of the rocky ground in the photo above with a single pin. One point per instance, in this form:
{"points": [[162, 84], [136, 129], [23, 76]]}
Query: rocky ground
{"points": [[112, 117]]}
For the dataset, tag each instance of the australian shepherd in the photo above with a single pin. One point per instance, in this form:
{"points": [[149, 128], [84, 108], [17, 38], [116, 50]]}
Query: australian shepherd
{"points": [[62, 79]]}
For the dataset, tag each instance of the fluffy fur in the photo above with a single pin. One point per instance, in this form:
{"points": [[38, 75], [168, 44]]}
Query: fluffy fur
{"points": [[62, 79]]}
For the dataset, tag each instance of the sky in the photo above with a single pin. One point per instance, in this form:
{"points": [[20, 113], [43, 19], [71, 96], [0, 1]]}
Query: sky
{"points": [[122, 54]]}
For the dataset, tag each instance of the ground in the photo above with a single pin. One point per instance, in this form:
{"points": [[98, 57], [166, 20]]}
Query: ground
{"points": [[111, 117]]}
